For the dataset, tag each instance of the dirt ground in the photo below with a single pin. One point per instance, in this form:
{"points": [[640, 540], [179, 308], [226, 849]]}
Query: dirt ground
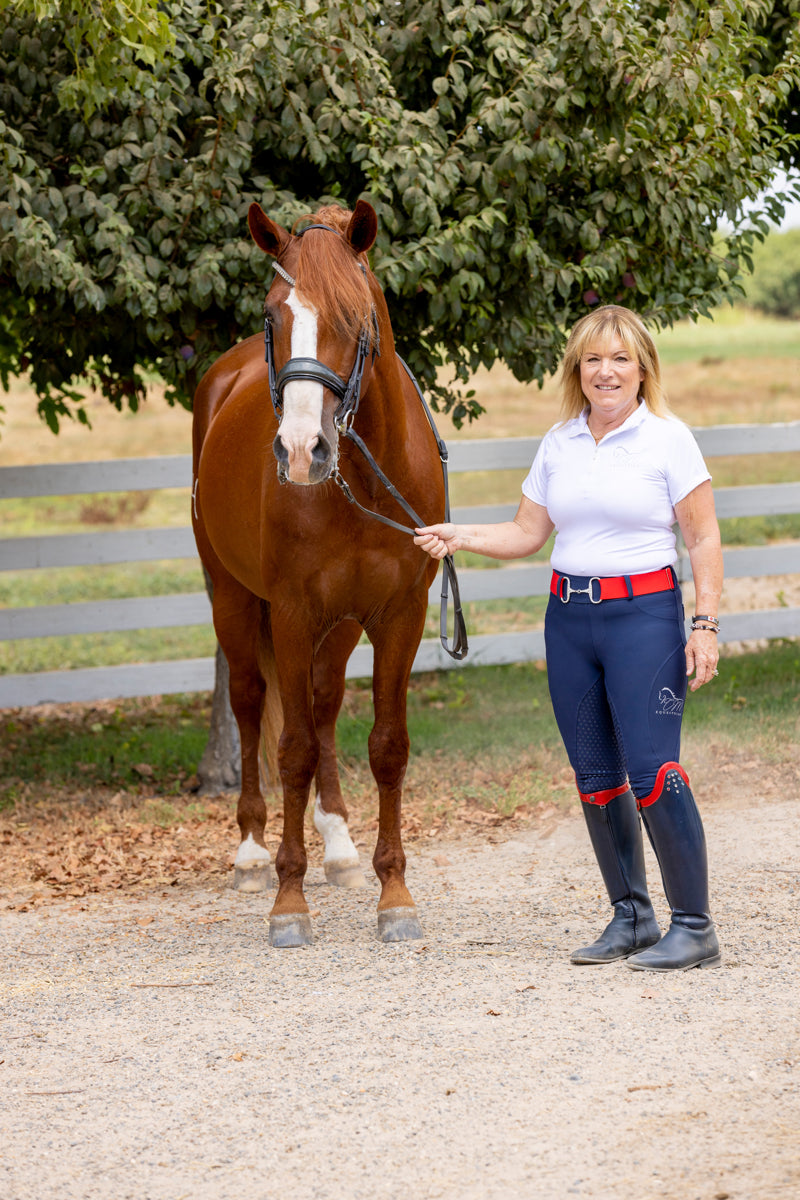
{"points": [[155, 1047]]}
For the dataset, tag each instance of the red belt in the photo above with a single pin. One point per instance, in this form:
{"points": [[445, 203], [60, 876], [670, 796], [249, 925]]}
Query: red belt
{"points": [[620, 587]]}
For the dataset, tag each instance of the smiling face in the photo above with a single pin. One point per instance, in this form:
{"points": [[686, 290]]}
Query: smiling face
{"points": [[610, 379]]}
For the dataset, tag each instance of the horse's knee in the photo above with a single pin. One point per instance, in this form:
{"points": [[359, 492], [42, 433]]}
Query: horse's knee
{"points": [[388, 753], [391, 743], [298, 758]]}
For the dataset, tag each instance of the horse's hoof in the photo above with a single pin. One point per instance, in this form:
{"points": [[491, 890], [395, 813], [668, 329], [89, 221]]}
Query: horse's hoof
{"points": [[398, 925], [346, 873], [287, 930], [255, 877], [252, 871]]}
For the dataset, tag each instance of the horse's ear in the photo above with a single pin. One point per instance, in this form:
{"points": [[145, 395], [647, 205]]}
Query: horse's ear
{"points": [[265, 233], [363, 227]]}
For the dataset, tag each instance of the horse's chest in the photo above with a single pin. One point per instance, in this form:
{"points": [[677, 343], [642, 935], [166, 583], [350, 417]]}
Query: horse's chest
{"points": [[357, 584]]}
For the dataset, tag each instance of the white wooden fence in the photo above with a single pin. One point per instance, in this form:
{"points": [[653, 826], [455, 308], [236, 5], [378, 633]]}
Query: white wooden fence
{"points": [[506, 582]]}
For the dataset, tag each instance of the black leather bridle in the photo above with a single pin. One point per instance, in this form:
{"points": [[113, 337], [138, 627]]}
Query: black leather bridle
{"points": [[311, 368], [349, 398]]}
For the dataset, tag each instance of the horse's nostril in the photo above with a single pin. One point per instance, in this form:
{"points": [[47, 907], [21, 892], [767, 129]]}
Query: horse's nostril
{"points": [[280, 451], [321, 450]]}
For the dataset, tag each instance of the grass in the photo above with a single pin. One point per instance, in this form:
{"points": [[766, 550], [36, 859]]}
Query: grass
{"points": [[76, 651], [734, 333], [28, 516], [121, 746], [758, 531], [112, 582], [72, 585], [484, 735]]}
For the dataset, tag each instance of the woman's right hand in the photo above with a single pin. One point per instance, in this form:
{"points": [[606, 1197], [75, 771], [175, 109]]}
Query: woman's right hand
{"points": [[437, 540]]}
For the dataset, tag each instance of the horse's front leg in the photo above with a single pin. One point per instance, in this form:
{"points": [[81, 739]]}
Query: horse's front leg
{"points": [[341, 863], [298, 754], [395, 645]]}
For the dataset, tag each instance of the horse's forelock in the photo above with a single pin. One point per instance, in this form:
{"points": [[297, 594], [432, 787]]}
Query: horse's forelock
{"points": [[329, 276]]}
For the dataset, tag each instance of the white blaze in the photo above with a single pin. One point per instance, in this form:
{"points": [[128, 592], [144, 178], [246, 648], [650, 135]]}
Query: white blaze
{"points": [[302, 398]]}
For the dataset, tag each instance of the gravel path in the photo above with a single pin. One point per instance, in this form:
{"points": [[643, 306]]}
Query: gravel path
{"points": [[157, 1048]]}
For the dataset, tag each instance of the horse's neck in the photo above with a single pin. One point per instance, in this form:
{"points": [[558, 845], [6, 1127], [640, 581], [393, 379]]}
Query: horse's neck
{"points": [[384, 412]]}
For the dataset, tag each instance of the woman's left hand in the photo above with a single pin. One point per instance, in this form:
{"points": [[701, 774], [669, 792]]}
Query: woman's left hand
{"points": [[702, 656]]}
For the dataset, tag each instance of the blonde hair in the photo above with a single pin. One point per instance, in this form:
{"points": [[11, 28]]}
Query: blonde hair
{"points": [[597, 329]]}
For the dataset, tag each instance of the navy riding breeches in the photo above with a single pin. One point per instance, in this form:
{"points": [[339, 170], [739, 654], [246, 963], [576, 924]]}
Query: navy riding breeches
{"points": [[617, 677]]}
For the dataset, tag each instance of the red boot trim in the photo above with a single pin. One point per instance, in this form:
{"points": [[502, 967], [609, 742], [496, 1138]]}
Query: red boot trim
{"points": [[602, 798], [646, 801]]}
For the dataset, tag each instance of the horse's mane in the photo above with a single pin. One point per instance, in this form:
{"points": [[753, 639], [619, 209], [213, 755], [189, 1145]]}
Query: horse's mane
{"points": [[329, 275]]}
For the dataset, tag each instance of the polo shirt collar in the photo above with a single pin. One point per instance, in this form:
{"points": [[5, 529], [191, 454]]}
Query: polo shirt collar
{"points": [[581, 424]]}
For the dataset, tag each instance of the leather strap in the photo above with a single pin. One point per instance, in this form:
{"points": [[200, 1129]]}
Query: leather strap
{"points": [[603, 798]]}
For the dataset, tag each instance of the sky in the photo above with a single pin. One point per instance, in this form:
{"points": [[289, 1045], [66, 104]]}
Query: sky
{"points": [[791, 218]]}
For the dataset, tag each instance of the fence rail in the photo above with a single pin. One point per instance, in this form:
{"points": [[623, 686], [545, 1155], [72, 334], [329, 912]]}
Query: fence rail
{"points": [[507, 582]]}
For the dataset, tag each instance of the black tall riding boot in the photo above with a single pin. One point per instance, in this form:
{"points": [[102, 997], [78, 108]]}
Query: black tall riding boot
{"points": [[617, 841], [676, 832]]}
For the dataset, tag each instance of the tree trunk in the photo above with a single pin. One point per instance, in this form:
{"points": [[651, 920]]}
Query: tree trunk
{"points": [[220, 767]]}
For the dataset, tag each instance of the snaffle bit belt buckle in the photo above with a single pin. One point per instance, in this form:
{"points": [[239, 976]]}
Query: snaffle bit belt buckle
{"points": [[565, 590]]}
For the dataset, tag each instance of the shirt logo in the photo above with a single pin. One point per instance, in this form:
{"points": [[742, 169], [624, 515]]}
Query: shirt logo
{"points": [[670, 705], [622, 459]]}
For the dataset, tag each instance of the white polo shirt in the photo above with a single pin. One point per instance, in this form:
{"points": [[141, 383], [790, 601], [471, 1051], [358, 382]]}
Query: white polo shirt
{"points": [[613, 504]]}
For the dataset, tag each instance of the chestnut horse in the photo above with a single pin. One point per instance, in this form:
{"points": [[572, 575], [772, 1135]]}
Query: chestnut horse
{"points": [[284, 500]]}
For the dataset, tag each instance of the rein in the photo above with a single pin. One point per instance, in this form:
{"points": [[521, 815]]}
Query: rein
{"points": [[460, 646], [349, 397]]}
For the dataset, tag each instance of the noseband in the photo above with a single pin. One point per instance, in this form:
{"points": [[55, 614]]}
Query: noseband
{"points": [[310, 368]]}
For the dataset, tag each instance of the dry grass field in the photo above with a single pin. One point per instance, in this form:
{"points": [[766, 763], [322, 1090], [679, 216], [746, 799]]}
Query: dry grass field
{"points": [[736, 370]]}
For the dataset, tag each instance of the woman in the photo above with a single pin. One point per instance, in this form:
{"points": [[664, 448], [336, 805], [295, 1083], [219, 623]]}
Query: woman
{"points": [[612, 477]]}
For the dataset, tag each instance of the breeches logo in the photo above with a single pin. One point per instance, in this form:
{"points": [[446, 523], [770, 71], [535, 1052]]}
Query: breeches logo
{"points": [[669, 705]]}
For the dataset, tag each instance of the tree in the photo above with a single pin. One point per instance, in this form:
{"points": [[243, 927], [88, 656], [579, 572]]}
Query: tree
{"points": [[527, 158], [777, 31], [105, 40]]}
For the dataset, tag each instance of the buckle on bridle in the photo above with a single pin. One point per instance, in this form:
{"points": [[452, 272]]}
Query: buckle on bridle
{"points": [[571, 591]]}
